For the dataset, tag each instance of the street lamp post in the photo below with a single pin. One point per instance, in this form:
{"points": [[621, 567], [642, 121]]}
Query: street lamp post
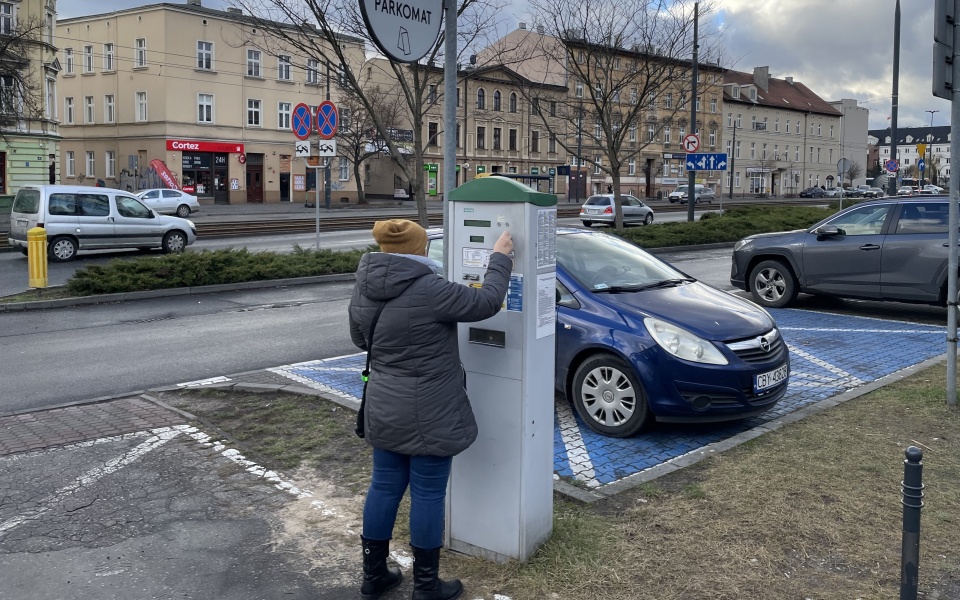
{"points": [[930, 143]]}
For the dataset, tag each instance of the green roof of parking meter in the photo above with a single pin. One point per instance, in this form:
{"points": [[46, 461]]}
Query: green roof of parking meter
{"points": [[500, 189]]}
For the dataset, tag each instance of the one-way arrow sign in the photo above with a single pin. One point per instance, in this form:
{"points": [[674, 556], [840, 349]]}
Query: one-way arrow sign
{"points": [[709, 161]]}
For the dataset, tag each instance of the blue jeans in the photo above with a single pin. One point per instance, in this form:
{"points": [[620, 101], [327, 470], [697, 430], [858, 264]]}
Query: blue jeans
{"points": [[427, 477]]}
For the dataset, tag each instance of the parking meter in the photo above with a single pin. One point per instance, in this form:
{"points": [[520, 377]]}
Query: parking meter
{"points": [[500, 504]]}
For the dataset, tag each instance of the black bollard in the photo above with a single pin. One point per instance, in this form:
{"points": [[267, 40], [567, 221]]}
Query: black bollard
{"points": [[912, 489]]}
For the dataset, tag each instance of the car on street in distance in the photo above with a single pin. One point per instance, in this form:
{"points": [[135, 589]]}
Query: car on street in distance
{"points": [[931, 189], [893, 249], [906, 190], [78, 218], [870, 192], [599, 209], [169, 202], [638, 340], [877, 193], [812, 192], [704, 194]]}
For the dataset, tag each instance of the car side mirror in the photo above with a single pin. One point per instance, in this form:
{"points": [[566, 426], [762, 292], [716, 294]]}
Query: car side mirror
{"points": [[827, 231]]}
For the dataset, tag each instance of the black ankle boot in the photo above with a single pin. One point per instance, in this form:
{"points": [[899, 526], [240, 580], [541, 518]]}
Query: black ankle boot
{"points": [[427, 585], [378, 578]]}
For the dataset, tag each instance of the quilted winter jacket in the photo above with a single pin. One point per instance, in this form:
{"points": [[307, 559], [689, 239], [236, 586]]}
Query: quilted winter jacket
{"points": [[416, 400]]}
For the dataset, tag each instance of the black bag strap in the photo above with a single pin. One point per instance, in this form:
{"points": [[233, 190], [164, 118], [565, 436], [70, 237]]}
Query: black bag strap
{"points": [[365, 375]]}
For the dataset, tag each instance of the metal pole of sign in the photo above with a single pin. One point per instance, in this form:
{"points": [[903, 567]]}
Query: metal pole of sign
{"points": [[326, 170], [450, 128], [316, 202], [692, 175], [952, 219]]}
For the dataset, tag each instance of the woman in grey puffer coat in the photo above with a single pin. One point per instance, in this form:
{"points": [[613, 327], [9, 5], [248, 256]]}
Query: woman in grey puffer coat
{"points": [[417, 415]]}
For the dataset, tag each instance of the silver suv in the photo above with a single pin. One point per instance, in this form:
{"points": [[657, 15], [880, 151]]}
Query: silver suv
{"points": [[891, 249], [703, 194]]}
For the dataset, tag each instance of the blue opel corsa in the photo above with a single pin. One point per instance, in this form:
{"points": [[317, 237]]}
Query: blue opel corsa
{"points": [[638, 340]]}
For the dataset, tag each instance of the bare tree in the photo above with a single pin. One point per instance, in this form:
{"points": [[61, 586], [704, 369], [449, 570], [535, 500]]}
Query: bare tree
{"points": [[627, 64], [854, 171], [357, 137], [21, 85], [286, 24]]}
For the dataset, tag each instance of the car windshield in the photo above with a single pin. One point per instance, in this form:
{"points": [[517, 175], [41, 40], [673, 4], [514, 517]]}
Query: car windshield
{"points": [[681, 188], [606, 263]]}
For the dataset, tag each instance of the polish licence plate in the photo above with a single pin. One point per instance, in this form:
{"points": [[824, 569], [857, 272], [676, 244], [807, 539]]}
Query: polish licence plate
{"points": [[770, 379]]}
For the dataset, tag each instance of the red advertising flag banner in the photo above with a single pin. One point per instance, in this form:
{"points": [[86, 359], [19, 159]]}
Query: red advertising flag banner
{"points": [[195, 146], [164, 173]]}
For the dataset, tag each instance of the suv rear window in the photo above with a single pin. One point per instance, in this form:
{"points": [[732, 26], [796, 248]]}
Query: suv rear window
{"points": [[598, 201], [27, 202]]}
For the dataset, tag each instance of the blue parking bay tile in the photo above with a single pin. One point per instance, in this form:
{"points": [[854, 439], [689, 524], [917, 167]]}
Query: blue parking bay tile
{"points": [[830, 354]]}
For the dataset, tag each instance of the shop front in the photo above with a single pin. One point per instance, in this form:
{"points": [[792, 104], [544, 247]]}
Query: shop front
{"points": [[204, 168]]}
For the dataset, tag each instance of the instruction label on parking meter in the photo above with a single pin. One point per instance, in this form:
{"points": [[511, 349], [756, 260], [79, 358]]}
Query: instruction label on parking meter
{"points": [[546, 304], [546, 238], [476, 258], [515, 293]]}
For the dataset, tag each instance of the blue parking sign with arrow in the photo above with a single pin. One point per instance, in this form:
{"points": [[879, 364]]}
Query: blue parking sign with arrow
{"points": [[707, 161]]}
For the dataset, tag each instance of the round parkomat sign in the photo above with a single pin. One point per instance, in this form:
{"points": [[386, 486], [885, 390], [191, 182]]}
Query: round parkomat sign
{"points": [[404, 30]]}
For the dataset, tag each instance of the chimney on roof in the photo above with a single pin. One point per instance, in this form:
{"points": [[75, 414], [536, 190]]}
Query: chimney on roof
{"points": [[523, 25], [789, 80], [193, 2], [234, 10], [761, 77]]}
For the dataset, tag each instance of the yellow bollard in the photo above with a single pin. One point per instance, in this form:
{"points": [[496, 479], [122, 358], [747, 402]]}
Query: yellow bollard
{"points": [[37, 257]]}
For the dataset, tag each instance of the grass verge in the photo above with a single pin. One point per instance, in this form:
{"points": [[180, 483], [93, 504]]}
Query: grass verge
{"points": [[809, 511]]}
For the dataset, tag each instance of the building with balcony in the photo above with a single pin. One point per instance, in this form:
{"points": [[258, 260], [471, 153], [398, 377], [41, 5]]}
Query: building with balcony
{"points": [[202, 90], [781, 137], [29, 128]]}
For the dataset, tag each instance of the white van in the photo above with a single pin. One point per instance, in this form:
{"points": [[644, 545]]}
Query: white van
{"points": [[88, 218]]}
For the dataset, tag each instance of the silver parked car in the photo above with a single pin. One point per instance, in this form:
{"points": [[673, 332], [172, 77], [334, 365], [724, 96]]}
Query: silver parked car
{"points": [[169, 202], [92, 218], [599, 209], [703, 194], [890, 249]]}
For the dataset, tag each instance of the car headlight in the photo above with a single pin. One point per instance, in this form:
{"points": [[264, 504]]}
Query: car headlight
{"points": [[741, 244], [683, 344], [192, 226]]}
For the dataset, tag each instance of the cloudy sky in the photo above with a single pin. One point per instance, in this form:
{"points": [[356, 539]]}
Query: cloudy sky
{"points": [[838, 48]]}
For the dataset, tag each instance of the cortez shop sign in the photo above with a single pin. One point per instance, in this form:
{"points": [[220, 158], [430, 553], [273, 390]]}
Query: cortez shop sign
{"points": [[195, 146]]}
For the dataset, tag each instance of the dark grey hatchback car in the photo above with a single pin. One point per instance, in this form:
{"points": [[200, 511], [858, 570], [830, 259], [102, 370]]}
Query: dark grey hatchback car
{"points": [[893, 249]]}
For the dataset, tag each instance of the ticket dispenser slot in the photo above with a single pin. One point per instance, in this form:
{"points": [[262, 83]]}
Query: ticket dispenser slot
{"points": [[500, 504]]}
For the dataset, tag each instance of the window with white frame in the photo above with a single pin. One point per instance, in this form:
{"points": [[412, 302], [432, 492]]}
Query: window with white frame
{"points": [[819, 129], [344, 169], [578, 89], [109, 109], [830, 159], [89, 116], [111, 163], [204, 55], [68, 61], [713, 105], [253, 113], [513, 102], [753, 149], [50, 106], [831, 132], [283, 115], [713, 137], [666, 134], [668, 100], [651, 132], [632, 166], [68, 108], [141, 107], [7, 18], [763, 152], [283, 67], [698, 104], [737, 150], [71, 164], [736, 180], [596, 164], [313, 71], [796, 153], [730, 119], [140, 54], [91, 164], [776, 152], [633, 95], [204, 108], [88, 59], [108, 57], [776, 125], [633, 132], [253, 62], [739, 123], [729, 148]]}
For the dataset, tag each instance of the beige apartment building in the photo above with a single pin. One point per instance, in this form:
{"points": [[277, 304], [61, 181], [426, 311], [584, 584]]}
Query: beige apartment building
{"points": [[498, 131], [781, 136], [29, 131], [653, 160], [193, 88]]}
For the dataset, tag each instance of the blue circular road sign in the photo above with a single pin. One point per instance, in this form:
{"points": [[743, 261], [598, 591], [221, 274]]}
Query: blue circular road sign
{"points": [[327, 119], [302, 122], [891, 165]]}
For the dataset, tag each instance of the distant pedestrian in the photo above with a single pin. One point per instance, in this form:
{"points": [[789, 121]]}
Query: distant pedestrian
{"points": [[609, 189], [415, 413]]}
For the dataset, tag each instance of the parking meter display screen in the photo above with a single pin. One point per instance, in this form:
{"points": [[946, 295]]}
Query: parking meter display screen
{"points": [[476, 239], [475, 223]]}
